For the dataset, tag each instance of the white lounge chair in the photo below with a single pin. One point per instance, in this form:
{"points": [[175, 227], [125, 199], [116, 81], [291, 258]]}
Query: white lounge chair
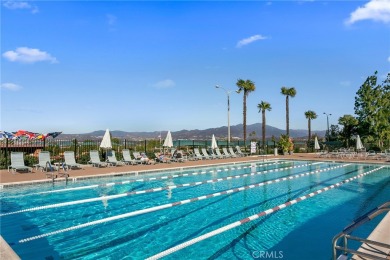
{"points": [[44, 162], [127, 157], [70, 160], [111, 158], [17, 162], [218, 152], [95, 160], [233, 153], [226, 153], [205, 154], [198, 155], [240, 152]]}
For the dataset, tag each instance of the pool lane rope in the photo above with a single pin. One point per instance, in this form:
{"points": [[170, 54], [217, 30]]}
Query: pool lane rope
{"points": [[174, 204], [155, 178], [256, 216], [131, 193]]}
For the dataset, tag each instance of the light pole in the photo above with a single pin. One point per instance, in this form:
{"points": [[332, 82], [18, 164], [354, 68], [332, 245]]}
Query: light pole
{"points": [[327, 123], [228, 108]]}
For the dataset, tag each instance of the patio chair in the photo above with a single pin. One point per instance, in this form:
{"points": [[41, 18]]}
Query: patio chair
{"points": [[162, 158], [218, 152], [240, 152], [205, 154], [17, 162], [212, 154], [70, 161], [198, 155], [226, 153], [111, 158], [143, 158], [44, 162], [233, 153], [127, 158], [95, 159]]}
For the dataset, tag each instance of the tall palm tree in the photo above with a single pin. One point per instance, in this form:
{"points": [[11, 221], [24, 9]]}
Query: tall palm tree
{"points": [[310, 115], [288, 92], [263, 106], [247, 86]]}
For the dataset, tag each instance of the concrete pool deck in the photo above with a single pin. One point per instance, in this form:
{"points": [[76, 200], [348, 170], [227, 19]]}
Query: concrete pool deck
{"points": [[36, 176]]}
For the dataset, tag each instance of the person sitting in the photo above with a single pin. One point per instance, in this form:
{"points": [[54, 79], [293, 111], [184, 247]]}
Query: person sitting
{"points": [[144, 159], [163, 158]]}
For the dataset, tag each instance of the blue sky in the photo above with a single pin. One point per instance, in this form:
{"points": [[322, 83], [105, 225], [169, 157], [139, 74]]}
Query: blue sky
{"points": [[80, 66]]}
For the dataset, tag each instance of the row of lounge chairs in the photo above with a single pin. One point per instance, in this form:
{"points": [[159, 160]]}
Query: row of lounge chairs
{"points": [[216, 153], [352, 154], [45, 165]]}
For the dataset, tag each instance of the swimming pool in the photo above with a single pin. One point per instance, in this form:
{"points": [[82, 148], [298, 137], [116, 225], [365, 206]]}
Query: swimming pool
{"points": [[135, 217]]}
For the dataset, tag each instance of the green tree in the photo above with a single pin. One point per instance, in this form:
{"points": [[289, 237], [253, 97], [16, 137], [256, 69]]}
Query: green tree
{"points": [[263, 106], [288, 92], [310, 115], [372, 107], [247, 86], [349, 124]]}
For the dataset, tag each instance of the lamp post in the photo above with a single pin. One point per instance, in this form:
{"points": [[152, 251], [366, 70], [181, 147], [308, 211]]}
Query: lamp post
{"points": [[327, 123], [228, 108]]}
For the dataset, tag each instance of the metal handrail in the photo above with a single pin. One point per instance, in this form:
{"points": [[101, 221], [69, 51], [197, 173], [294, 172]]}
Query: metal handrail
{"points": [[345, 234]]}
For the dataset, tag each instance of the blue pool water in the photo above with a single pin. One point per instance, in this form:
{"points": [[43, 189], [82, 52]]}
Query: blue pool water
{"points": [[36, 231]]}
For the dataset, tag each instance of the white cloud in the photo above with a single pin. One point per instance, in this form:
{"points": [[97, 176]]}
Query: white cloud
{"points": [[20, 5], [377, 10], [11, 86], [28, 55], [167, 83], [249, 40], [388, 59]]}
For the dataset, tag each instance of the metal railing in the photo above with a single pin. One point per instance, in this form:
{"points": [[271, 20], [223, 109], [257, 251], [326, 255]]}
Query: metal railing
{"points": [[345, 235]]}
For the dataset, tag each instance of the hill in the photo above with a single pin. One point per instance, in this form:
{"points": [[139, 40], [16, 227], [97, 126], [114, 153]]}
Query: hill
{"points": [[236, 132]]}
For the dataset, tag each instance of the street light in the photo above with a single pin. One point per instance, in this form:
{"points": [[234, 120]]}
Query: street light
{"points": [[327, 123], [228, 108]]}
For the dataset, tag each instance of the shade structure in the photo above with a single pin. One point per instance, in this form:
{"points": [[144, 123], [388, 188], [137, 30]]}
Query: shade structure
{"points": [[214, 144], [168, 140], [359, 144], [316, 144], [106, 142]]}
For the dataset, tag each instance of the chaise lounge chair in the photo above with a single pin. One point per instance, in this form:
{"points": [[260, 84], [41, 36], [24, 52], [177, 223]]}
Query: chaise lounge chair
{"points": [[226, 153], [233, 153], [111, 158], [240, 152], [70, 160], [44, 162], [198, 155], [205, 153], [218, 152], [17, 162], [95, 160], [127, 158]]}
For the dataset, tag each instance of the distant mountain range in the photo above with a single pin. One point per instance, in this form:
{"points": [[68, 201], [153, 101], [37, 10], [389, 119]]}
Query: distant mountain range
{"points": [[236, 132]]}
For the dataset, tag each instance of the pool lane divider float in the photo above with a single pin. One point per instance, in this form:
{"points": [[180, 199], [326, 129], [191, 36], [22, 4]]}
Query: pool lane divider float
{"points": [[166, 177], [177, 203], [256, 216], [131, 193]]}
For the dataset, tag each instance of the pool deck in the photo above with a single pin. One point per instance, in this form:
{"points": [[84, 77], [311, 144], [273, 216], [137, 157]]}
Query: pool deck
{"points": [[10, 178], [36, 176]]}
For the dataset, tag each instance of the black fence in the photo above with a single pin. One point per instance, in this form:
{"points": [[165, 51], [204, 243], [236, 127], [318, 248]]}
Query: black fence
{"points": [[57, 147]]}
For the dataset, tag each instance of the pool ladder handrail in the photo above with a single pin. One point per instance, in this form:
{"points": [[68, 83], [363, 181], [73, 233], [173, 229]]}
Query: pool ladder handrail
{"points": [[345, 234]]}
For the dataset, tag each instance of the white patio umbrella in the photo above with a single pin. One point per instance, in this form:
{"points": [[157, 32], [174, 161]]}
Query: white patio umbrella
{"points": [[214, 144], [359, 144], [106, 142], [168, 140], [316, 144]]}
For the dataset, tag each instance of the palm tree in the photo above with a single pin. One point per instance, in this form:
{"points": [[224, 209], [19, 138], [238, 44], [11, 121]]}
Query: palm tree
{"points": [[309, 116], [263, 106], [247, 86], [288, 92]]}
